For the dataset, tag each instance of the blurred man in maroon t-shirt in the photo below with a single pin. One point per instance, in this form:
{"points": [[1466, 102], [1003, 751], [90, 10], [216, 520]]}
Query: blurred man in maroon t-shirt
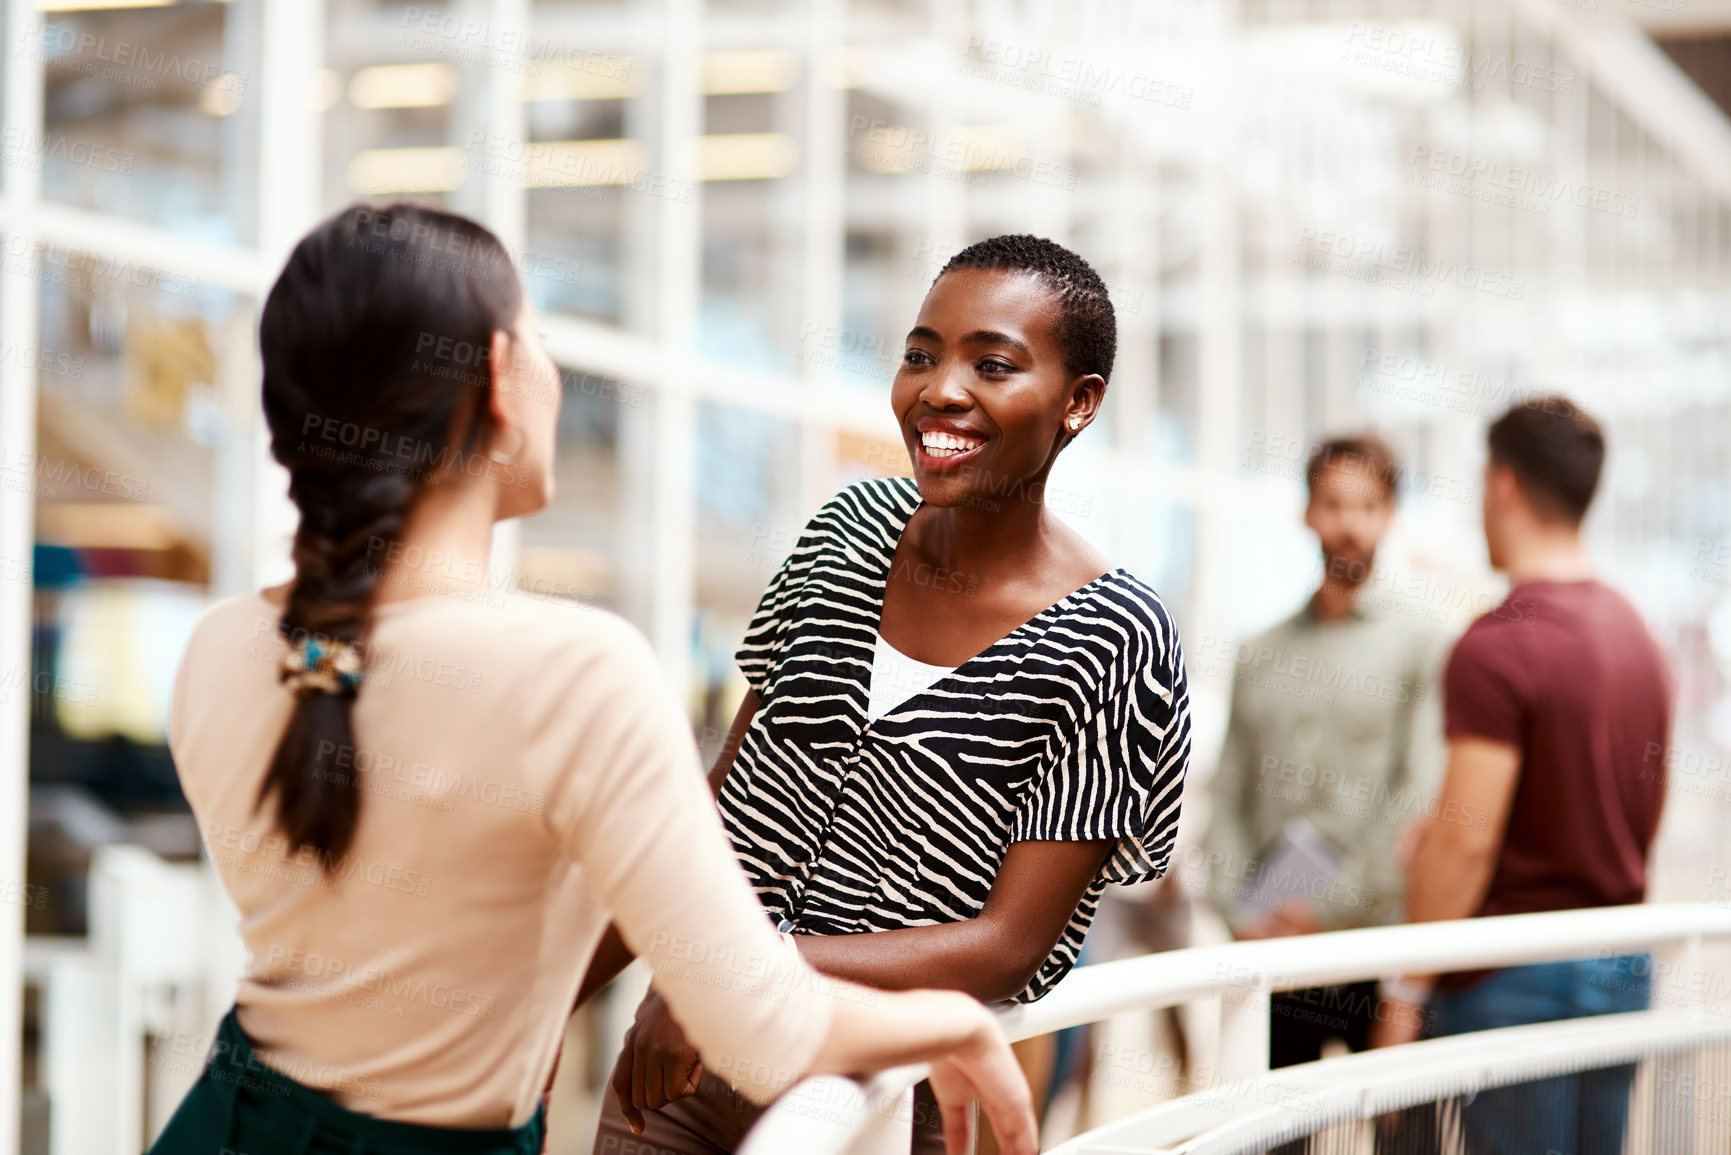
{"points": [[1554, 702]]}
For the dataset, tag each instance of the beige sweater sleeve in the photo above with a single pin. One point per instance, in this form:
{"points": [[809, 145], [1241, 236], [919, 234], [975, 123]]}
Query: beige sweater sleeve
{"points": [[626, 798]]}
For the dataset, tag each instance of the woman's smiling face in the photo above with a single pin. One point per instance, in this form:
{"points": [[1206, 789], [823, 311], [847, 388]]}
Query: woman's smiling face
{"points": [[982, 395]]}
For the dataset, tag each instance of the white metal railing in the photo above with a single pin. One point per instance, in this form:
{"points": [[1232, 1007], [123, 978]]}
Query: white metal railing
{"points": [[1253, 1114], [100, 995], [160, 960], [834, 1116]]}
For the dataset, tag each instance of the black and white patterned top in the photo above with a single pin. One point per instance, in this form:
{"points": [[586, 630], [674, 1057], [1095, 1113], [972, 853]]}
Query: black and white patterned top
{"points": [[1075, 726]]}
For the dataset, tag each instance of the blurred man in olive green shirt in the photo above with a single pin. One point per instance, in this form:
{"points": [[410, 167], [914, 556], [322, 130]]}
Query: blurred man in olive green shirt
{"points": [[1333, 748]]}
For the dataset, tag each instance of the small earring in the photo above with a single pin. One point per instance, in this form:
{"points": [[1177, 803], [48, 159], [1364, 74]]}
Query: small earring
{"points": [[1075, 424], [504, 457]]}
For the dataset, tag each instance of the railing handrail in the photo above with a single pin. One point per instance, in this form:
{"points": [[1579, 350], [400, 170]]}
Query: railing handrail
{"points": [[1094, 993], [1282, 1105]]}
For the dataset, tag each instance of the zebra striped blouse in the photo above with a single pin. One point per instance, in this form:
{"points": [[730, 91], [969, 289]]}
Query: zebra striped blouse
{"points": [[1074, 726]]}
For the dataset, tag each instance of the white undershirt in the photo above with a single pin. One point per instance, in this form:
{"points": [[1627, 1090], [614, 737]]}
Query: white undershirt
{"points": [[897, 677]]}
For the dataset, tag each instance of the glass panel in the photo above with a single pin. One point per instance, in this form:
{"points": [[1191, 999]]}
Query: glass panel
{"points": [[750, 312], [130, 432], [147, 116], [571, 551], [749, 520]]}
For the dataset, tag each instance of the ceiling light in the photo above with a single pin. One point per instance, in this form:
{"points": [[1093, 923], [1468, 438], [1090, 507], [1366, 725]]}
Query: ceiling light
{"points": [[581, 163], [749, 70], [746, 156], [987, 147], [584, 78], [378, 171], [98, 5], [403, 86], [94, 5]]}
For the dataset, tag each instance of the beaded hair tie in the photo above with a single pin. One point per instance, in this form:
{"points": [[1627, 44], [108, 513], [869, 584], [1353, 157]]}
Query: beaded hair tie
{"points": [[322, 667]]}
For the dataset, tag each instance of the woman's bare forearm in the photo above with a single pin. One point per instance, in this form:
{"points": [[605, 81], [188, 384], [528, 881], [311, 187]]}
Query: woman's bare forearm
{"points": [[890, 1030], [991, 956], [611, 956], [960, 956]]}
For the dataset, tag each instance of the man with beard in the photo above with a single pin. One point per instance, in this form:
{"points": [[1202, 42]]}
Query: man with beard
{"points": [[1333, 747]]}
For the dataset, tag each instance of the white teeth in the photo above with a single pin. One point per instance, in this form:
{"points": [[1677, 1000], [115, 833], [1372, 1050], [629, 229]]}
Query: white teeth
{"points": [[940, 444]]}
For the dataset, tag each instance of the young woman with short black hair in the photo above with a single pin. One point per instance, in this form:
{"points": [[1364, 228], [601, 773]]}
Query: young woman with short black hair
{"points": [[962, 723]]}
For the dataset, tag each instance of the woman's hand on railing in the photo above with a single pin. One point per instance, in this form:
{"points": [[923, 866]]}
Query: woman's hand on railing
{"points": [[984, 1071], [957, 1038]]}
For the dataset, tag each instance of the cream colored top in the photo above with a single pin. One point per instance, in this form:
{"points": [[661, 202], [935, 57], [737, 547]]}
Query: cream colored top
{"points": [[526, 775]]}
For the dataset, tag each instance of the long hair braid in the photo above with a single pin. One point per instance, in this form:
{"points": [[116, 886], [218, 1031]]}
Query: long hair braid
{"points": [[363, 420]]}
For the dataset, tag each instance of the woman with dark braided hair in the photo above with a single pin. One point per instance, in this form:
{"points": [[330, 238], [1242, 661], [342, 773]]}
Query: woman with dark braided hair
{"points": [[427, 799]]}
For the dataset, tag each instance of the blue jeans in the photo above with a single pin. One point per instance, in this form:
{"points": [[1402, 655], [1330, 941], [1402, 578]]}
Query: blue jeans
{"points": [[1581, 1114]]}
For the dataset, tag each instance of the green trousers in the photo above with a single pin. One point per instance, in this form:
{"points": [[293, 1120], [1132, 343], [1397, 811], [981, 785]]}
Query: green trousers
{"points": [[241, 1107]]}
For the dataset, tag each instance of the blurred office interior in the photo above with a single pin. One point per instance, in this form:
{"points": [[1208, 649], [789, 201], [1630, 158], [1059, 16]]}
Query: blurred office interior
{"points": [[1315, 216]]}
